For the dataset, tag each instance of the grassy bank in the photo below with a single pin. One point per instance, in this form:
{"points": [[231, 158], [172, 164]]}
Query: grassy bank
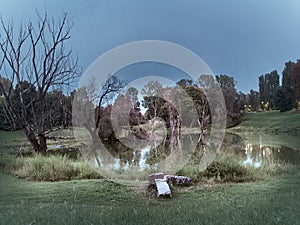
{"points": [[273, 199], [105, 202], [274, 121], [47, 168], [227, 168], [13, 141], [209, 201]]}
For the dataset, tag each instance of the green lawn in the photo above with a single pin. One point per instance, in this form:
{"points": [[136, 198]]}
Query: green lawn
{"points": [[106, 202], [272, 128], [274, 121], [11, 141], [273, 201]]}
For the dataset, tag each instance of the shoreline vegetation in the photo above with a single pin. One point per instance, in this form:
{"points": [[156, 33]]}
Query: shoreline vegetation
{"points": [[225, 168], [229, 191]]}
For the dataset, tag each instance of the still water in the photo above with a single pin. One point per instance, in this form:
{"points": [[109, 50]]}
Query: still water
{"points": [[255, 148], [250, 148]]}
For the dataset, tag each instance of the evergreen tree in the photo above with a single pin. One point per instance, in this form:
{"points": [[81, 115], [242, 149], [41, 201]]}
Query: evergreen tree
{"points": [[295, 80], [273, 86], [285, 98], [268, 86], [254, 100], [262, 89], [231, 98]]}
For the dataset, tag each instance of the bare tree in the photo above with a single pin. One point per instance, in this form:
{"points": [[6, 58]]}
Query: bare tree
{"points": [[111, 87], [36, 53], [91, 107]]}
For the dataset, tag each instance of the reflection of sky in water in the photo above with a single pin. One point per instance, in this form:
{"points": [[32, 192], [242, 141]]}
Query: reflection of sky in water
{"points": [[251, 160], [144, 153], [255, 156], [116, 165], [258, 148]]}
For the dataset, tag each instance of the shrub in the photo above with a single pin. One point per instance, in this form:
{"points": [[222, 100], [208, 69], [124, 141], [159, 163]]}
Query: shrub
{"points": [[230, 171], [227, 168], [53, 168]]}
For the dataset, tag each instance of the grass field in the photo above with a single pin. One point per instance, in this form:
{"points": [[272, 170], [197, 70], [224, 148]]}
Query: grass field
{"points": [[106, 202], [274, 121], [11, 141], [100, 201], [272, 128]]}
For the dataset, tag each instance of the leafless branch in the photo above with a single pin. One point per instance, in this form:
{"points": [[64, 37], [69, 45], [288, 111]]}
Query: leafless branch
{"points": [[36, 52]]}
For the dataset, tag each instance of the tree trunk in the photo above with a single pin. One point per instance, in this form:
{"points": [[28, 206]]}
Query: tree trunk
{"points": [[37, 146], [43, 143]]}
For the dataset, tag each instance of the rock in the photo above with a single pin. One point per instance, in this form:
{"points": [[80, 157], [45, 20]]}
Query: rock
{"points": [[162, 188], [178, 179], [154, 176]]}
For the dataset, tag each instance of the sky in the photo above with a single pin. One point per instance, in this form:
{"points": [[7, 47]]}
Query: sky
{"points": [[243, 39]]}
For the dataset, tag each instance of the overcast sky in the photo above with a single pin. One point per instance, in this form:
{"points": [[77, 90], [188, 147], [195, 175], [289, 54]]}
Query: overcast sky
{"points": [[243, 39]]}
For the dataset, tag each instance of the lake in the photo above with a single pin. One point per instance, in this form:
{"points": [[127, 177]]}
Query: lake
{"points": [[167, 155], [255, 148]]}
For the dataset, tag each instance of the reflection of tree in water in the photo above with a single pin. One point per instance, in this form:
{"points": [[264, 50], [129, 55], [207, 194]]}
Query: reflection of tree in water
{"points": [[258, 154], [184, 149], [254, 153], [184, 105], [132, 156], [286, 154], [118, 150], [233, 143], [198, 154], [181, 148], [159, 152]]}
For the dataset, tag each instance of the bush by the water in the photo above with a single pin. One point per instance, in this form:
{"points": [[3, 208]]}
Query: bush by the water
{"points": [[52, 168], [227, 168]]}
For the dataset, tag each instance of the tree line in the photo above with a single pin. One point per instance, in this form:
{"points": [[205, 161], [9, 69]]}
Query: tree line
{"points": [[282, 97], [57, 107], [37, 69], [271, 95], [182, 105]]}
